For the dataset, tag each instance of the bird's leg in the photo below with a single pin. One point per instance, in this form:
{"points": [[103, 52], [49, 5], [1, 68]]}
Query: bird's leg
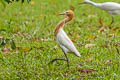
{"points": [[67, 59], [112, 21], [61, 59], [56, 60]]}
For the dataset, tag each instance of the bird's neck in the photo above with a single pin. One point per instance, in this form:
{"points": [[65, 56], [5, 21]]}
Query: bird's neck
{"points": [[61, 24], [93, 3]]}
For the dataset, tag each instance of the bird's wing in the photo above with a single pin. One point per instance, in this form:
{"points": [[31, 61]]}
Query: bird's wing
{"points": [[64, 40], [110, 6]]}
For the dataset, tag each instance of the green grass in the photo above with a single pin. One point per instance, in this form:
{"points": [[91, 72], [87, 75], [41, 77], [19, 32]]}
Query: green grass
{"points": [[32, 26]]}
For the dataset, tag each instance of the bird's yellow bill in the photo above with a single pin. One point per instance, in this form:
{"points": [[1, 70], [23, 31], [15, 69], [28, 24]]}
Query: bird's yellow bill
{"points": [[62, 13]]}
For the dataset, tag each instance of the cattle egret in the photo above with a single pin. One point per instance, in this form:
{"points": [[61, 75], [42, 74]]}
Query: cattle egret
{"points": [[111, 7], [62, 39]]}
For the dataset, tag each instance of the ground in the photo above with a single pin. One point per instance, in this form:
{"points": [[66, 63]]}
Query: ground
{"points": [[28, 43]]}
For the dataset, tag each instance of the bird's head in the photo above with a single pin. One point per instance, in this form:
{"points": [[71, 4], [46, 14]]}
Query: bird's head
{"points": [[68, 13]]}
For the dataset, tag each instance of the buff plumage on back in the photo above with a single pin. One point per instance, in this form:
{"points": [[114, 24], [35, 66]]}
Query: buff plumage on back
{"points": [[58, 27]]}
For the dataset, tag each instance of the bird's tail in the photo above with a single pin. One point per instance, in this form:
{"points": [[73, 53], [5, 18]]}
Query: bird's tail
{"points": [[77, 54]]}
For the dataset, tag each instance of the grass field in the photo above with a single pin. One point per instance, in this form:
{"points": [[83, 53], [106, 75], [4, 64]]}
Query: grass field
{"points": [[31, 28]]}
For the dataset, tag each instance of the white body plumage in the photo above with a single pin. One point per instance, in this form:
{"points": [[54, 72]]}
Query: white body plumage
{"points": [[111, 7], [65, 43]]}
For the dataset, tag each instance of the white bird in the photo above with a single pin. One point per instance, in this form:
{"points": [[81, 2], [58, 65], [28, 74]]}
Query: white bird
{"points": [[111, 7], [62, 39]]}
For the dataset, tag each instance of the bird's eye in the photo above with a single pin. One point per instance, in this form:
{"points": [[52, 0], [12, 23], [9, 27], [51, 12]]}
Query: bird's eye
{"points": [[67, 12]]}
